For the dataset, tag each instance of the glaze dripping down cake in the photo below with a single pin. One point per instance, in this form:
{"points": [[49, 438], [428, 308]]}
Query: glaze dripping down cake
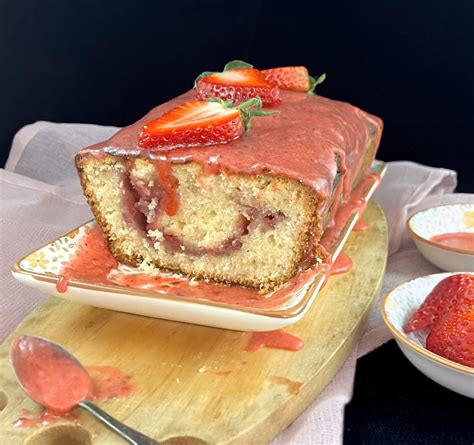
{"points": [[248, 211]]}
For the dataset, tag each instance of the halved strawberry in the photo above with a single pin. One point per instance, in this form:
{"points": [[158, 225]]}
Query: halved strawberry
{"points": [[200, 123], [294, 78], [452, 336], [238, 83], [446, 295]]}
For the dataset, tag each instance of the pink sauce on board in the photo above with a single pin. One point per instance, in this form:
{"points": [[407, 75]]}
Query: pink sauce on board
{"points": [[292, 385], [342, 264], [360, 226], [57, 383], [458, 240], [110, 382], [274, 339]]}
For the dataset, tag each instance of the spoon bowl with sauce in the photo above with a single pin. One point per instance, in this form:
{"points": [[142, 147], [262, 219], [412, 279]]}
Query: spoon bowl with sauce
{"points": [[54, 378], [444, 235]]}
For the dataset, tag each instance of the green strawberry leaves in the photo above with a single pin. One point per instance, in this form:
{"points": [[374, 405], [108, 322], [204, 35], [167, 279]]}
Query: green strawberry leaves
{"points": [[237, 64], [314, 82], [248, 109]]}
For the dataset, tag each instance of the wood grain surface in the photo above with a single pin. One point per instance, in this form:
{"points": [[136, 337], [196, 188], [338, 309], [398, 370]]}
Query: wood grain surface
{"points": [[197, 384]]}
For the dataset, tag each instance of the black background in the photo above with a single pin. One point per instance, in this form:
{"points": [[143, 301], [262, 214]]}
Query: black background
{"points": [[410, 62]]}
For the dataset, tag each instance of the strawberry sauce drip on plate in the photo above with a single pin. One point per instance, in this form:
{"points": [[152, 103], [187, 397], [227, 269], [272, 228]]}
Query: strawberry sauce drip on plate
{"points": [[91, 262]]}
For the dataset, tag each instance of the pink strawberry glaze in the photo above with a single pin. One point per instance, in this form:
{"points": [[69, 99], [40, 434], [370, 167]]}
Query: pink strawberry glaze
{"points": [[302, 142]]}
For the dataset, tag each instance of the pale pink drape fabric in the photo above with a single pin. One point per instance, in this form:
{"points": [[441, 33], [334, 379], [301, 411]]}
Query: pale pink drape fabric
{"points": [[40, 198]]}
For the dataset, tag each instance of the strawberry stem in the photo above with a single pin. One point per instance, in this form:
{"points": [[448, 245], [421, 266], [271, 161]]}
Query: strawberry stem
{"points": [[237, 64], [313, 82], [202, 76], [232, 65], [252, 108]]}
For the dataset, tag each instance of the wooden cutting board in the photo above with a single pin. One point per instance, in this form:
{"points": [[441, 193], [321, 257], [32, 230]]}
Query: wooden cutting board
{"points": [[197, 384]]}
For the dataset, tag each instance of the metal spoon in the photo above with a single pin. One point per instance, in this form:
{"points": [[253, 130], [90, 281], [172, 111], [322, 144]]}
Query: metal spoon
{"points": [[129, 434]]}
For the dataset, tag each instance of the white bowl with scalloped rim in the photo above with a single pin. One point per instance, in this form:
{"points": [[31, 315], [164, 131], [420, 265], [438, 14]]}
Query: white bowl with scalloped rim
{"points": [[422, 226], [397, 307]]}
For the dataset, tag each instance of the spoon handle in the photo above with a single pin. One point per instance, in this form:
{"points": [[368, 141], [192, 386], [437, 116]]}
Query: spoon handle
{"points": [[129, 434]]}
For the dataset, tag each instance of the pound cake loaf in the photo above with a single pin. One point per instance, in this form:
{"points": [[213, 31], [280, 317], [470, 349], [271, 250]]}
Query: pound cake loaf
{"points": [[187, 189]]}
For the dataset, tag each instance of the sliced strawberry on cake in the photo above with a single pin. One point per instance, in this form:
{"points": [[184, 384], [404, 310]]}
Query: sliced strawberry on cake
{"points": [[200, 123], [294, 78], [238, 83]]}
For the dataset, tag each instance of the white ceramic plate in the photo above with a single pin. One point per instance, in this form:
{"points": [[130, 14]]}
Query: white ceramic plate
{"points": [[397, 307], [423, 225], [40, 269]]}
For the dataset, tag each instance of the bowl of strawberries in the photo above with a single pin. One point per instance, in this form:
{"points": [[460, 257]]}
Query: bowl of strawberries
{"points": [[432, 321]]}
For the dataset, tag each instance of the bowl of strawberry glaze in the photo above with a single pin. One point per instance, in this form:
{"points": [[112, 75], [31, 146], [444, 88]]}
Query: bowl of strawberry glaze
{"points": [[444, 235], [398, 307]]}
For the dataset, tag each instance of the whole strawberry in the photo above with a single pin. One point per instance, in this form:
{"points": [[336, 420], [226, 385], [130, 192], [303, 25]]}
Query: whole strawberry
{"points": [[238, 83], [444, 296], [452, 337]]}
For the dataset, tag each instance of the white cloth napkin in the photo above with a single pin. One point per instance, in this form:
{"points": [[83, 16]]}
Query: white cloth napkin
{"points": [[40, 198]]}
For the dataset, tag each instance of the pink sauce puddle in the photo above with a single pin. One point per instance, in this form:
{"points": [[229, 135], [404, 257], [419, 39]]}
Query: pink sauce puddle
{"points": [[94, 263], [360, 226], [292, 385], [110, 382], [274, 339], [342, 264], [458, 240]]}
